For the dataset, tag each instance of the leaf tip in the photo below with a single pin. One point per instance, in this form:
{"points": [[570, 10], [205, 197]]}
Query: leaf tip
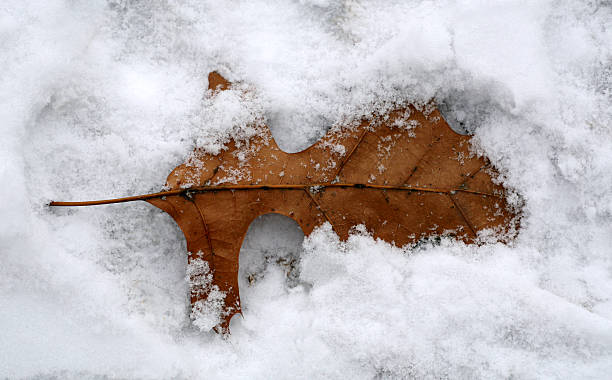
{"points": [[217, 82]]}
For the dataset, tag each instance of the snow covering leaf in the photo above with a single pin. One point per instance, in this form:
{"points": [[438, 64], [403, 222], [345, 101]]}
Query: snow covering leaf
{"points": [[403, 176]]}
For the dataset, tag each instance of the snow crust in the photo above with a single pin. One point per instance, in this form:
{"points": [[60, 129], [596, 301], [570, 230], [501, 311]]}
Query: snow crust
{"points": [[101, 99]]}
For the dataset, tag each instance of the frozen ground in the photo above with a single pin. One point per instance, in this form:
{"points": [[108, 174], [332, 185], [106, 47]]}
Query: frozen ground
{"points": [[104, 99]]}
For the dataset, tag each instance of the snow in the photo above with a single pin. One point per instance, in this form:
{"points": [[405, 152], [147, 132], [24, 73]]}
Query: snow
{"points": [[101, 99]]}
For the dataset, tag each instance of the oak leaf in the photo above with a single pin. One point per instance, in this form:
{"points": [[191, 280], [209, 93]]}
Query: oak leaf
{"points": [[404, 175]]}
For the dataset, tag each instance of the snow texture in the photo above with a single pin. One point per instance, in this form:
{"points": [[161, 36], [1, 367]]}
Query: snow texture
{"points": [[101, 99]]}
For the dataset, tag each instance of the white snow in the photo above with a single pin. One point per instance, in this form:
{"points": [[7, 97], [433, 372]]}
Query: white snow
{"points": [[102, 99]]}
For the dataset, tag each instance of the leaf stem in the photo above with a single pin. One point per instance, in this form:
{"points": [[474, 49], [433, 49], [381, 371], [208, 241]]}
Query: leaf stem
{"points": [[201, 189]]}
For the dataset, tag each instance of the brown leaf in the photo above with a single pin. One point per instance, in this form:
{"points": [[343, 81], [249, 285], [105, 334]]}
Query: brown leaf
{"points": [[405, 176]]}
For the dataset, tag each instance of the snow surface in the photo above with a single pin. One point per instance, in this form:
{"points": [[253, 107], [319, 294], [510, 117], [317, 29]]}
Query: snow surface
{"points": [[101, 99]]}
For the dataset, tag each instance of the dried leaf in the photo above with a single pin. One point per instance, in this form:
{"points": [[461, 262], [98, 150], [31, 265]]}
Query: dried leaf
{"points": [[405, 176]]}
